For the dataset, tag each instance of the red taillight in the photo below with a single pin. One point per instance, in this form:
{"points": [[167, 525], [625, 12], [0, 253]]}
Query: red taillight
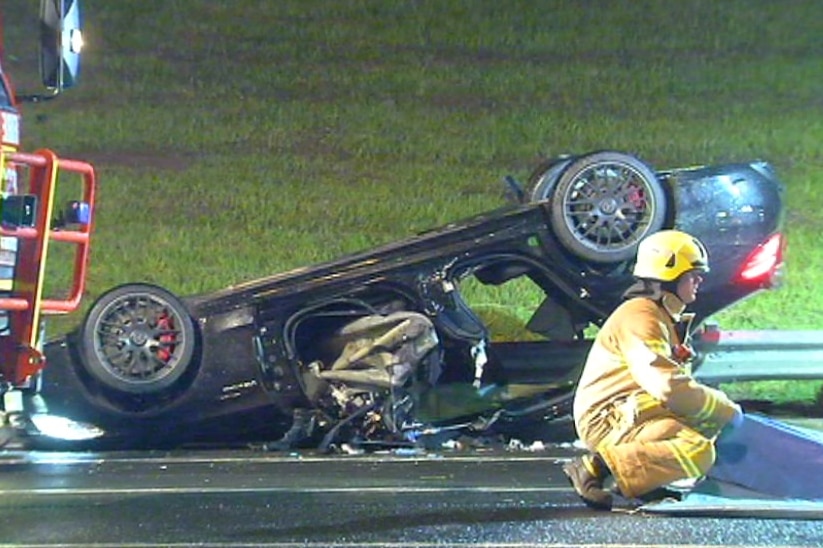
{"points": [[764, 260]]}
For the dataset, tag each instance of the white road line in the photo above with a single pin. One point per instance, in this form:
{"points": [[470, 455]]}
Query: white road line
{"points": [[67, 459], [327, 544], [390, 490]]}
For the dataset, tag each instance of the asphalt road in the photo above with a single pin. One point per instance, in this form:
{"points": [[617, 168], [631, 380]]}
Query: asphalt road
{"points": [[238, 498]]}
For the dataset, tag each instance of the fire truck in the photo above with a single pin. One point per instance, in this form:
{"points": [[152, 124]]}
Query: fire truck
{"points": [[33, 226]]}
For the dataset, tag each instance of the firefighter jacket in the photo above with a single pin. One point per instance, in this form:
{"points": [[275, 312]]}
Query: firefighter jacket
{"points": [[633, 360]]}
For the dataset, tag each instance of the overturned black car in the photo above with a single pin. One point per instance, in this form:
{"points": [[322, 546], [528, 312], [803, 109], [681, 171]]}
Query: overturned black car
{"points": [[407, 343]]}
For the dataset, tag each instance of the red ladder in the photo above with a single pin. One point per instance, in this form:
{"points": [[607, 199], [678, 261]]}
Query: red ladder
{"points": [[20, 354]]}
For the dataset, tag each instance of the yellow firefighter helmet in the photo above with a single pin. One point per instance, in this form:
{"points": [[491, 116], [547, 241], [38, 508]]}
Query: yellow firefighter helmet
{"points": [[667, 254]]}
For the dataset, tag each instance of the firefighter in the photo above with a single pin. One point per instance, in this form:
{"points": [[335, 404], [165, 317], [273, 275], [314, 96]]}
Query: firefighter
{"points": [[644, 419]]}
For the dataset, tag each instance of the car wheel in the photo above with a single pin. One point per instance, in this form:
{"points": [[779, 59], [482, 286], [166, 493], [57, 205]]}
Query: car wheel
{"points": [[138, 339], [604, 203]]}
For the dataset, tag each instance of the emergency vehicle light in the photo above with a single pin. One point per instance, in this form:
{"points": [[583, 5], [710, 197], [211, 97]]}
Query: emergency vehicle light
{"points": [[78, 213], [76, 40]]}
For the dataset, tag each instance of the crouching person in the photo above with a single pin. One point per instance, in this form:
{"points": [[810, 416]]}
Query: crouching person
{"points": [[644, 419]]}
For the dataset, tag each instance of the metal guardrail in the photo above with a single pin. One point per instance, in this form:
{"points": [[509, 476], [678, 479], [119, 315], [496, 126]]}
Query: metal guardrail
{"points": [[749, 355]]}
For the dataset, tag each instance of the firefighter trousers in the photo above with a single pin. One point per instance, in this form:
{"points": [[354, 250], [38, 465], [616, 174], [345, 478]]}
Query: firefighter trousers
{"points": [[648, 453]]}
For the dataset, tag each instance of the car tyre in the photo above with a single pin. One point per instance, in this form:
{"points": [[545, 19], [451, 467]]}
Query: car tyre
{"points": [[137, 339], [543, 179], [603, 204]]}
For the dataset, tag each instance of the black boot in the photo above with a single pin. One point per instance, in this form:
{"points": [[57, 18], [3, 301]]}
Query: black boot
{"points": [[586, 475]]}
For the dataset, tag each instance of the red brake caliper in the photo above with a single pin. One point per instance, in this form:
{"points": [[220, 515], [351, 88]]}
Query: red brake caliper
{"points": [[164, 323]]}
